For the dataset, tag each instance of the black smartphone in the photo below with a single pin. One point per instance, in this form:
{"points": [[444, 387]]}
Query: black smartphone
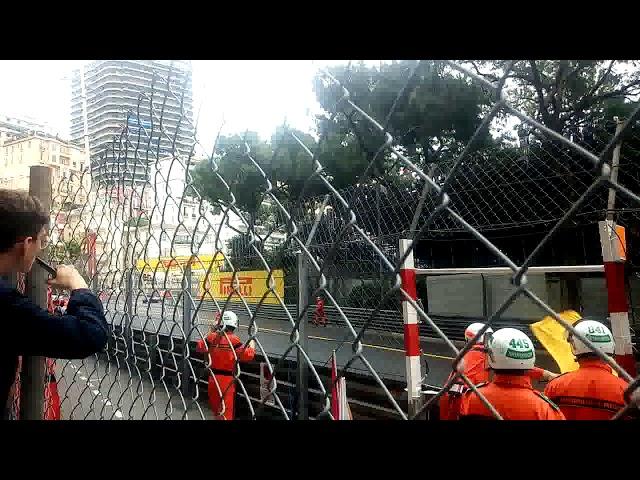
{"points": [[46, 266]]}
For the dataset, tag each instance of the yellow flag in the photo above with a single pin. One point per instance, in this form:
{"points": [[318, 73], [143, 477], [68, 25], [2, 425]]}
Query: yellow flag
{"points": [[552, 336]]}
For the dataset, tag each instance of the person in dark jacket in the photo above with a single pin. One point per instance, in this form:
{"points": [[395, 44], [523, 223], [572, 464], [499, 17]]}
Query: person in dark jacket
{"points": [[28, 329]]}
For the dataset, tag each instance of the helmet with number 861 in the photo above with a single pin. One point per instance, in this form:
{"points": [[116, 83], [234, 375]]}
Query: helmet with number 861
{"points": [[596, 333]]}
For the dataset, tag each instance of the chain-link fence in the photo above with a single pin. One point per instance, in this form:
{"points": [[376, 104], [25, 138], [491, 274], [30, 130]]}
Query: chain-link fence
{"points": [[168, 241]]}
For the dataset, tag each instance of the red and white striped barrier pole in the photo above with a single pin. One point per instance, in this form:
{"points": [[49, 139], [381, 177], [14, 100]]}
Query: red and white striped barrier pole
{"points": [[612, 239], [411, 330]]}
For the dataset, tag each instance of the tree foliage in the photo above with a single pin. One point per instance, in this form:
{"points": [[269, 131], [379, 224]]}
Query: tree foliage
{"points": [[436, 114], [429, 111], [566, 95], [241, 175]]}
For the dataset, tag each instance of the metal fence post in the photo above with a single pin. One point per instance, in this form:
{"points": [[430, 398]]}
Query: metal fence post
{"points": [[485, 306], [612, 240], [411, 330], [615, 167], [128, 329], [92, 238], [186, 325], [303, 300], [33, 368]]}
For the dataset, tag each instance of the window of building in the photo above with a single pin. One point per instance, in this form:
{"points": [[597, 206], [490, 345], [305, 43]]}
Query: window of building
{"points": [[54, 158], [54, 147], [82, 166], [29, 144], [75, 164]]}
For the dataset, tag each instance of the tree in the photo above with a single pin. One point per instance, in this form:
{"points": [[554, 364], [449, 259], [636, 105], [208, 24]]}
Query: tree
{"points": [[566, 95], [281, 161], [435, 112], [243, 256], [244, 183], [429, 110], [71, 251], [435, 115]]}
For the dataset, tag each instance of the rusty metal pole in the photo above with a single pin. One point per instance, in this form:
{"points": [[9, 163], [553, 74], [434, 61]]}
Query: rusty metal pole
{"points": [[33, 368]]}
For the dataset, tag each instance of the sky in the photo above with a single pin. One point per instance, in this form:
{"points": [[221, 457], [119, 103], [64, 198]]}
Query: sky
{"points": [[248, 94], [256, 95]]}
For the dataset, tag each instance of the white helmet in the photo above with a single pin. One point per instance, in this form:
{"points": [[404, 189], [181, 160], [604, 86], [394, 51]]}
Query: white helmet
{"points": [[229, 319], [596, 333], [473, 329], [511, 349]]}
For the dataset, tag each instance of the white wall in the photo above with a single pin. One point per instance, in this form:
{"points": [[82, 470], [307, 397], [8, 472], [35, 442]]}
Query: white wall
{"points": [[455, 295], [461, 295]]}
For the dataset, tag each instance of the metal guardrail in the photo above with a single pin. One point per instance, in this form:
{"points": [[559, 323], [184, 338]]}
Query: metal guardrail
{"points": [[385, 321], [366, 400]]}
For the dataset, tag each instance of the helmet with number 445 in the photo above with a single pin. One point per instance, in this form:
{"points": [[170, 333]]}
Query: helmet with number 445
{"points": [[510, 349]]}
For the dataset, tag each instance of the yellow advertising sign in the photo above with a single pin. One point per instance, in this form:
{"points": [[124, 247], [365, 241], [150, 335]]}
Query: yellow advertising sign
{"points": [[252, 285], [198, 263]]}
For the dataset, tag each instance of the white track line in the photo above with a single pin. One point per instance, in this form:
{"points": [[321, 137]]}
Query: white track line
{"points": [[97, 393]]}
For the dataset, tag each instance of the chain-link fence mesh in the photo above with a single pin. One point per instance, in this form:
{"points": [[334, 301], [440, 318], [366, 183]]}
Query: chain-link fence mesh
{"points": [[166, 259]]}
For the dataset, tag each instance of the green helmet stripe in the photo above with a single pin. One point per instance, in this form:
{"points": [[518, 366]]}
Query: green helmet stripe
{"points": [[522, 355], [599, 338]]}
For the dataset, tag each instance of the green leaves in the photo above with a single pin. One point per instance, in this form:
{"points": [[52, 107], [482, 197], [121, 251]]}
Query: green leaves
{"points": [[567, 94], [231, 176], [436, 109]]}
